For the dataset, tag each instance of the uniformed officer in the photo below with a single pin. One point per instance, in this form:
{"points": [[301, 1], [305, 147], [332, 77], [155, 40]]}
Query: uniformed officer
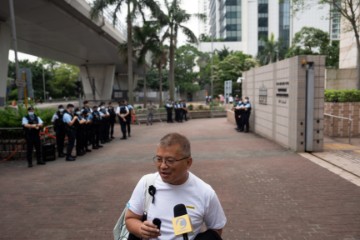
{"points": [[247, 112], [96, 122], [60, 131], [169, 109], [184, 110], [129, 117], [105, 124], [80, 133], [86, 106], [32, 124], [112, 119], [236, 109], [69, 121], [239, 115], [122, 112], [87, 129]]}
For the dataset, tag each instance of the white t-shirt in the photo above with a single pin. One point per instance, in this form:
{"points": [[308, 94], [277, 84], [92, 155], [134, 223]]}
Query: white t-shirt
{"points": [[201, 201]]}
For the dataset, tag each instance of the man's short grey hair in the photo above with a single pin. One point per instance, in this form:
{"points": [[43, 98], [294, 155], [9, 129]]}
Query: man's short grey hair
{"points": [[172, 139]]}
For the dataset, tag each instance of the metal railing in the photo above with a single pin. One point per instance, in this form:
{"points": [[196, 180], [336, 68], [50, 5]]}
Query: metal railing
{"points": [[344, 118]]}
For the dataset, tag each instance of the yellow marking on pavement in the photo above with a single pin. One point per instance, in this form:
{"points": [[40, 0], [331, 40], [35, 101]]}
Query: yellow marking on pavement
{"points": [[339, 146]]}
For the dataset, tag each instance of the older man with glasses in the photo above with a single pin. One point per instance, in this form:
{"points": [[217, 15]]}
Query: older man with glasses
{"points": [[174, 185]]}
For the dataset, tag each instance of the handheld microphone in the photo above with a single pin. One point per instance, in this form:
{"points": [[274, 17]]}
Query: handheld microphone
{"points": [[181, 221], [157, 222]]}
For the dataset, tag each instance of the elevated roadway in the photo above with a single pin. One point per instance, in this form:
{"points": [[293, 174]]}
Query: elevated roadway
{"points": [[62, 30]]}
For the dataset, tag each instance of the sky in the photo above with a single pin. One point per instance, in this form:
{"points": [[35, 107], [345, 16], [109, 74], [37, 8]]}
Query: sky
{"points": [[190, 6]]}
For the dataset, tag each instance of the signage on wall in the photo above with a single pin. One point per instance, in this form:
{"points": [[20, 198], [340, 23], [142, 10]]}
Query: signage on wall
{"points": [[282, 92], [263, 95]]}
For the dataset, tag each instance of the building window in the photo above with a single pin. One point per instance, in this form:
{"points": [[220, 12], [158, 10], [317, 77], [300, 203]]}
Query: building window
{"points": [[231, 27], [263, 8], [263, 22]]}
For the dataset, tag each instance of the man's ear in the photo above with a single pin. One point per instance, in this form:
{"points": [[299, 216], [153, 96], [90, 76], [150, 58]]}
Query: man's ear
{"points": [[189, 162]]}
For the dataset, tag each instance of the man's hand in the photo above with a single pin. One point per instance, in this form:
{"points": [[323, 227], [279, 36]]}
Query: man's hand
{"points": [[149, 230]]}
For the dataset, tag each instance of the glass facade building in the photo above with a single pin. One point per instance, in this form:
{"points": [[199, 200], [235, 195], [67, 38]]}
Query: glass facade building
{"points": [[263, 22], [231, 20], [284, 22]]}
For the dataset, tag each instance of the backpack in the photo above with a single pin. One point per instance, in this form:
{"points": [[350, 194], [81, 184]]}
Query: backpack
{"points": [[120, 231]]}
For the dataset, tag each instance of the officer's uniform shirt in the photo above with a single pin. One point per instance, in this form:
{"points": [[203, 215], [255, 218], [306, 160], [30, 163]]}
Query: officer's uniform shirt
{"points": [[247, 105], [129, 107], [169, 105], [54, 117], [26, 121], [67, 118], [118, 109], [239, 105]]}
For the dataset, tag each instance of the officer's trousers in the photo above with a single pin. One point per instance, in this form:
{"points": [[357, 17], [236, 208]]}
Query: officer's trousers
{"points": [[33, 140], [71, 134]]}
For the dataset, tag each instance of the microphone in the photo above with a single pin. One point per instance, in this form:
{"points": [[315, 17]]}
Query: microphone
{"points": [[157, 222], [181, 221]]}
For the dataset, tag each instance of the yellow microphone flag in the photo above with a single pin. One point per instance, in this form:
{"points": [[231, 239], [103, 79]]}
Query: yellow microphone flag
{"points": [[182, 225]]}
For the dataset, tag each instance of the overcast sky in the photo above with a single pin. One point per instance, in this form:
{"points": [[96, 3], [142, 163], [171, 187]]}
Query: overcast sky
{"points": [[191, 6]]}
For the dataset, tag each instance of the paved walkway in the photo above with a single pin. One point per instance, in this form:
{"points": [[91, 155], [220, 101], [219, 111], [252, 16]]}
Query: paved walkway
{"points": [[267, 191]]}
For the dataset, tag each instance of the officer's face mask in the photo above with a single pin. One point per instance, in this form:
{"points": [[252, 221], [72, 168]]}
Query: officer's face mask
{"points": [[78, 112], [31, 114], [61, 110], [102, 107]]}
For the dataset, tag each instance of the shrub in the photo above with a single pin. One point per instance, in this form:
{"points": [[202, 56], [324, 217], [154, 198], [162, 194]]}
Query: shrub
{"points": [[201, 107], [191, 107], [12, 117], [342, 95]]}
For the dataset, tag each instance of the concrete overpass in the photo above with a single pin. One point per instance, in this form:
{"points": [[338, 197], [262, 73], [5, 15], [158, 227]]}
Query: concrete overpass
{"points": [[63, 31]]}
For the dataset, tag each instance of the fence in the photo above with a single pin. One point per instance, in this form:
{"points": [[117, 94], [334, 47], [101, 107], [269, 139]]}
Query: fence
{"points": [[342, 118]]}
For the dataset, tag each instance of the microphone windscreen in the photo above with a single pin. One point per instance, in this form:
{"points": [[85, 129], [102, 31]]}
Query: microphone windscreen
{"points": [[157, 222], [179, 210]]}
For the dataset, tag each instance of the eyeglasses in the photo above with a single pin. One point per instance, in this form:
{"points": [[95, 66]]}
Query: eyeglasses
{"points": [[168, 161]]}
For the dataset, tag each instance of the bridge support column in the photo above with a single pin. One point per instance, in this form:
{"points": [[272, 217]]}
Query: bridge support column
{"points": [[97, 81], [5, 38]]}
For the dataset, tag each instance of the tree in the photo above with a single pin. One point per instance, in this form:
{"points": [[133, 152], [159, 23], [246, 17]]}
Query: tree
{"points": [[309, 40], [270, 51], [350, 13], [63, 83], [175, 19], [137, 6], [231, 68], [313, 41], [185, 61]]}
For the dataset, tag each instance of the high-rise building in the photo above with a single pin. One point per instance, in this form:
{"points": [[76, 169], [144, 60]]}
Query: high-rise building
{"points": [[252, 21]]}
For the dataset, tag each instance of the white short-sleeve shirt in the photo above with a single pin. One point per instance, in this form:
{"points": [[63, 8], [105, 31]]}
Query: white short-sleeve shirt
{"points": [[201, 201]]}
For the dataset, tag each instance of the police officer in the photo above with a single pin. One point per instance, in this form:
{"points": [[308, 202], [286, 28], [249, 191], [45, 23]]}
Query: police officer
{"points": [[80, 133], [60, 131], [105, 124], [247, 112], [236, 109], [86, 106], [184, 110], [112, 119], [122, 112], [240, 115], [87, 129], [129, 117], [69, 121], [32, 124], [169, 109], [96, 126]]}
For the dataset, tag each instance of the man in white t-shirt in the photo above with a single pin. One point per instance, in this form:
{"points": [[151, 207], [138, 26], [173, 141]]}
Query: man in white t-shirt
{"points": [[174, 185]]}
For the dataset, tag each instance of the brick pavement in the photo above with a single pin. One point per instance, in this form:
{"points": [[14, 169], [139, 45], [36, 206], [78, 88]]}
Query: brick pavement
{"points": [[267, 191]]}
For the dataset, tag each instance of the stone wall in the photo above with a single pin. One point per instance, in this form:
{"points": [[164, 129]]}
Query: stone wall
{"points": [[335, 127], [340, 78], [277, 92]]}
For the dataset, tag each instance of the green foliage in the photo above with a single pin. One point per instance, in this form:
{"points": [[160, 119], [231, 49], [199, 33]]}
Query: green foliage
{"points": [[313, 41], [342, 95], [271, 51], [191, 107], [12, 117], [231, 68]]}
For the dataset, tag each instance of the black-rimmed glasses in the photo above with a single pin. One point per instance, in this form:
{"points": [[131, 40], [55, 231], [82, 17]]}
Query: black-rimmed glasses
{"points": [[168, 161]]}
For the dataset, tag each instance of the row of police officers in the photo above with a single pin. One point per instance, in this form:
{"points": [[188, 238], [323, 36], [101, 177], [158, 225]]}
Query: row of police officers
{"points": [[88, 126], [179, 108]]}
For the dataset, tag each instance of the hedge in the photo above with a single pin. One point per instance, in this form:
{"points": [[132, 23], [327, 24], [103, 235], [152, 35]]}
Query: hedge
{"points": [[342, 95], [12, 117]]}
